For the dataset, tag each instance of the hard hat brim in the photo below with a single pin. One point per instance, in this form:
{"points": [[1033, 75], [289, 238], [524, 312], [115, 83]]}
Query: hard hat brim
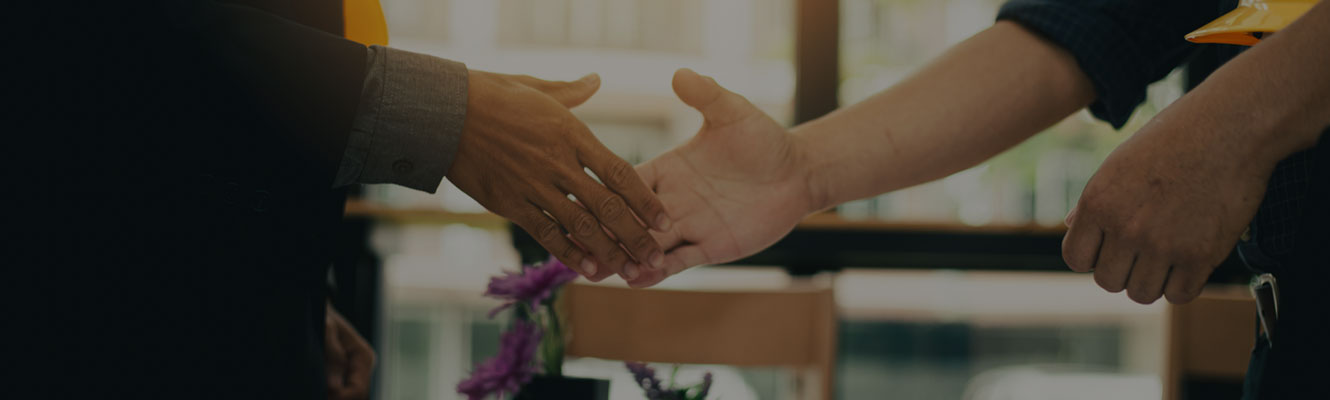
{"points": [[1237, 26]]}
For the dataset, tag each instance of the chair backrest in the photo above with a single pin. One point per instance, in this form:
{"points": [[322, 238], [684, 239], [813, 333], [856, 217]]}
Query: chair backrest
{"points": [[1210, 338], [794, 327]]}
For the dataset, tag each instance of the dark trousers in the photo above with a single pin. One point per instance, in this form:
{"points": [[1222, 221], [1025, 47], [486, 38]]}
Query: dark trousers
{"points": [[1291, 240]]}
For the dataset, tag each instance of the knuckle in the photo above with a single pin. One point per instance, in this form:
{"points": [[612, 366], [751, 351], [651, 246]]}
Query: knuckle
{"points": [[619, 173], [1157, 248], [584, 225], [1188, 254], [612, 208], [615, 257], [571, 254], [1133, 230], [548, 232], [567, 127], [645, 243]]}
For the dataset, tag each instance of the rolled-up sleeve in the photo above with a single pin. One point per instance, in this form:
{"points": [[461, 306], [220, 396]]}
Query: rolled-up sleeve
{"points": [[409, 122], [1122, 46]]}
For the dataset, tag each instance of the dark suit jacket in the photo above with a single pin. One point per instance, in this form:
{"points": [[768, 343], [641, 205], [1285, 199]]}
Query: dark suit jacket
{"points": [[175, 210]]}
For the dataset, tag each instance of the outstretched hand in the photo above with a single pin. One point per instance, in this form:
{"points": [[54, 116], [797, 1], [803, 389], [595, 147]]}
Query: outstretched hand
{"points": [[733, 189], [522, 153]]}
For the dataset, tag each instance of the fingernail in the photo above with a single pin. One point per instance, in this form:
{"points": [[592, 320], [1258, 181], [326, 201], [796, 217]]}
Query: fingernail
{"points": [[663, 222], [592, 77], [657, 260], [588, 267], [630, 271]]}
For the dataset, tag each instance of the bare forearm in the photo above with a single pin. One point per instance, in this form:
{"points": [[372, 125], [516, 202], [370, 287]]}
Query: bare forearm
{"points": [[1274, 99], [983, 96]]}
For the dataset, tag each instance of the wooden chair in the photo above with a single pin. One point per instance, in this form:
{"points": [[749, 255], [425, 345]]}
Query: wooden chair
{"points": [[795, 327], [1210, 339]]}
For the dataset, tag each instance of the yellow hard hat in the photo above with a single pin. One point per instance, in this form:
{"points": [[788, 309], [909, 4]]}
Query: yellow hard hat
{"points": [[1251, 16]]}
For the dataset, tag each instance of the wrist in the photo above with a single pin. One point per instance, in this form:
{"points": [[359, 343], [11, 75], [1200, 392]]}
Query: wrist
{"points": [[814, 189]]}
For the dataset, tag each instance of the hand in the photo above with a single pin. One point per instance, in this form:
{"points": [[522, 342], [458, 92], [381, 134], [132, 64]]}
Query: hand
{"points": [[1167, 206], [522, 153], [350, 360], [732, 190]]}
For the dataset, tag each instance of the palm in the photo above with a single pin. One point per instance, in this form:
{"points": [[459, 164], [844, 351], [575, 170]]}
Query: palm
{"points": [[732, 190]]}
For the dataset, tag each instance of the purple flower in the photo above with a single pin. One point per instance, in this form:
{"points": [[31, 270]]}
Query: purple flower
{"points": [[646, 378], [532, 285], [706, 386], [510, 369]]}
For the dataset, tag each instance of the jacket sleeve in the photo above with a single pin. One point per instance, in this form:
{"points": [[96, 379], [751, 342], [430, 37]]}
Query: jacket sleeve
{"points": [[410, 121]]}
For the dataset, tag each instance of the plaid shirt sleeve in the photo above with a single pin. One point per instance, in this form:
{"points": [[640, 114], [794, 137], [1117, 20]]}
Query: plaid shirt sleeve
{"points": [[1122, 46]]}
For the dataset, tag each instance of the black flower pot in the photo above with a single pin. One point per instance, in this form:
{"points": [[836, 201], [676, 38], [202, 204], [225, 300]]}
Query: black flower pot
{"points": [[561, 387]]}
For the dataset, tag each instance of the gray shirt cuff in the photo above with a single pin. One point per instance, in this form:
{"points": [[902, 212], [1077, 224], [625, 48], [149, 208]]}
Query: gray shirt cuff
{"points": [[409, 122]]}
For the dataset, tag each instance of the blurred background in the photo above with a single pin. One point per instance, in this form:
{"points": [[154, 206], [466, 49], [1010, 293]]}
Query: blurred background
{"points": [[948, 290]]}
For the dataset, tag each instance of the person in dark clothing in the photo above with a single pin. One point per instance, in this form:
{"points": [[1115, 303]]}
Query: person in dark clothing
{"points": [[1244, 148], [188, 161]]}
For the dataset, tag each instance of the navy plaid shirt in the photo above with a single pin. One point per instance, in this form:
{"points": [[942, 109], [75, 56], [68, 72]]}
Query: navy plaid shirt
{"points": [[1125, 45]]}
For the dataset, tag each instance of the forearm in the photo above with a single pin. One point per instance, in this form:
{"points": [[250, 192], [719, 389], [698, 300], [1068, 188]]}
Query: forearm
{"points": [[1274, 99], [983, 96]]}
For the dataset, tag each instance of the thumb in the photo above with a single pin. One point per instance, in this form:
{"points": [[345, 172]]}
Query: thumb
{"points": [[717, 105], [569, 93]]}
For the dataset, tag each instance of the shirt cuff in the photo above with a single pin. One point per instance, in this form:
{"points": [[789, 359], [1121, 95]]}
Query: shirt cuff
{"points": [[409, 121]]}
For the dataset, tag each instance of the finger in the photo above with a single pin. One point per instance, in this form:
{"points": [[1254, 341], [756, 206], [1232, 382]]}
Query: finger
{"points": [[647, 279], [335, 355], [585, 229], [1114, 264], [1185, 283], [676, 260], [615, 217], [360, 363], [647, 172], [669, 239], [622, 178], [717, 105], [569, 93], [1080, 247], [551, 236], [1146, 283]]}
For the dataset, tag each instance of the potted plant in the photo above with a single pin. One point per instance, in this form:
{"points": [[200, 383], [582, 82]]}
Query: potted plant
{"points": [[530, 359]]}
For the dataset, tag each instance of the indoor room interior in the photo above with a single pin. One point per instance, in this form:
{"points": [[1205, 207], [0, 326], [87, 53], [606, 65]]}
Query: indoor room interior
{"points": [[954, 289]]}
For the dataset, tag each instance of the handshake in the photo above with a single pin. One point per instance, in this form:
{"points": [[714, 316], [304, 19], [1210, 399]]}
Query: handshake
{"points": [[1160, 214], [732, 190]]}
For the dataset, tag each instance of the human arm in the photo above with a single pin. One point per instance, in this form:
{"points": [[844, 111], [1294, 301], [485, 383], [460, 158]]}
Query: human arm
{"points": [[507, 141], [983, 96], [744, 181], [1169, 204]]}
